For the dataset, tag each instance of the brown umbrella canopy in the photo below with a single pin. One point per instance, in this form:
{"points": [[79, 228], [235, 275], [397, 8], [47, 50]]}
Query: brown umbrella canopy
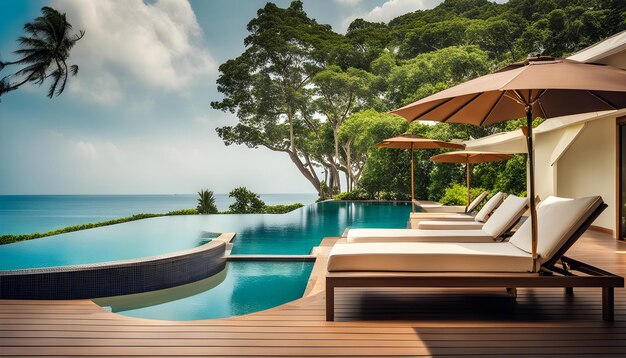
{"points": [[469, 157], [411, 141], [538, 87], [408, 141], [553, 88]]}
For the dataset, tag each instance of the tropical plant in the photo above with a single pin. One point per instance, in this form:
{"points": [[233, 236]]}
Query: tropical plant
{"points": [[44, 52], [457, 194], [206, 202], [246, 202]]}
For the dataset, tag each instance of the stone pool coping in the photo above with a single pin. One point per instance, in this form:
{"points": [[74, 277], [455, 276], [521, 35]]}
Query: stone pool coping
{"points": [[114, 278]]}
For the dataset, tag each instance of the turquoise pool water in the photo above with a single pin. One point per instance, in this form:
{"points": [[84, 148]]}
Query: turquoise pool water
{"points": [[292, 233], [244, 287]]}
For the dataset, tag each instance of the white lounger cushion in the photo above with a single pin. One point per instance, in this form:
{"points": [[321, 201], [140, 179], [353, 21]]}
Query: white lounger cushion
{"points": [[501, 220], [442, 216], [489, 207], [429, 257], [558, 219], [472, 206], [507, 214], [413, 235], [449, 225], [479, 219]]}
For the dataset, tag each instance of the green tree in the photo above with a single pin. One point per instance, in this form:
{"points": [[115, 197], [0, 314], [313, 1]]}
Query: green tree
{"points": [[358, 134], [206, 202], [267, 86], [369, 40], [245, 201], [431, 72], [44, 52], [338, 94]]}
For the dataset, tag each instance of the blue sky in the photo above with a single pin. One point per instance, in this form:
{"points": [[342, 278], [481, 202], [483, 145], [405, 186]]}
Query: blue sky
{"points": [[137, 118]]}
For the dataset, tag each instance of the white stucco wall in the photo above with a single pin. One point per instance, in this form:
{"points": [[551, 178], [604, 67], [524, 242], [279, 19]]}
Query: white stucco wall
{"points": [[545, 174], [588, 167]]}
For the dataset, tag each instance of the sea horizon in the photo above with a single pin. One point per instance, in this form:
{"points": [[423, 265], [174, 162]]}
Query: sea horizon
{"points": [[29, 213]]}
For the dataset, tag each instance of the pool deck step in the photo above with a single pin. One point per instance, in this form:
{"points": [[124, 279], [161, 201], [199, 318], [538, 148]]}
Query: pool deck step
{"points": [[292, 258]]}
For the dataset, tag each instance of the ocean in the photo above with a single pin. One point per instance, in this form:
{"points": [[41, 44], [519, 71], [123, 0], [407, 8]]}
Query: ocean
{"points": [[23, 214]]}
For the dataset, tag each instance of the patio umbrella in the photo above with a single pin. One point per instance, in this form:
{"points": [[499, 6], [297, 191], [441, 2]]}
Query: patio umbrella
{"points": [[412, 142], [538, 87], [469, 157]]}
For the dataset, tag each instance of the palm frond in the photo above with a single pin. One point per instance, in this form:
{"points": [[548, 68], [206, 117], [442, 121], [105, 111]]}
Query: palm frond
{"points": [[47, 41], [56, 77]]}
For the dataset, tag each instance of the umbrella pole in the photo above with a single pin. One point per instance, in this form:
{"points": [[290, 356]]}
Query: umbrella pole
{"points": [[531, 171], [412, 183], [467, 180]]}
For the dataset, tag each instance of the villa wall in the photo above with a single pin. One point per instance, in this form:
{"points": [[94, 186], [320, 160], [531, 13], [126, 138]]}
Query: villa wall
{"points": [[545, 174], [588, 168]]}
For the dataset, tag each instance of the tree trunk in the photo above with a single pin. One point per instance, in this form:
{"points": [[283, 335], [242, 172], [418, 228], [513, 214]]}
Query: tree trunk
{"points": [[307, 174]]}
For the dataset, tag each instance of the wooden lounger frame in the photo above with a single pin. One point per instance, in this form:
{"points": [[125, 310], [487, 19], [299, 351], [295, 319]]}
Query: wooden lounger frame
{"points": [[550, 275]]}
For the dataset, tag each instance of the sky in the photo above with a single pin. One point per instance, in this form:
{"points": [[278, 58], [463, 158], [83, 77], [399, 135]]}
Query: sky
{"points": [[137, 119]]}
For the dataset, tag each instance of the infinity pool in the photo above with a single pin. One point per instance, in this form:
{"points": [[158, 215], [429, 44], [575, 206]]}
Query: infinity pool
{"points": [[244, 287], [292, 233]]}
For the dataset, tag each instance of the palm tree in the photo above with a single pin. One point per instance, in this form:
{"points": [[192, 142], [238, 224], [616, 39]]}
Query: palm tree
{"points": [[44, 51], [206, 202]]}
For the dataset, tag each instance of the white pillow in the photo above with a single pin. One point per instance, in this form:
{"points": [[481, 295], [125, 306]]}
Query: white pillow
{"points": [[489, 207], [505, 216], [557, 220]]}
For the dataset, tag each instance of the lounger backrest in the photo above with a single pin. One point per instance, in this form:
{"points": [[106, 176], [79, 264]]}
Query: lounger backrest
{"points": [[489, 207], [557, 220], [474, 204], [505, 216]]}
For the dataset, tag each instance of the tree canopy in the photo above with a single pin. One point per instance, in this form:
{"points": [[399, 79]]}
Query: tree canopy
{"points": [[320, 97]]}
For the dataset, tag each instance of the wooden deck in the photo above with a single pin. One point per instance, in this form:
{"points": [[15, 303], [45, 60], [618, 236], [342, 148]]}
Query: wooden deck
{"points": [[372, 322]]}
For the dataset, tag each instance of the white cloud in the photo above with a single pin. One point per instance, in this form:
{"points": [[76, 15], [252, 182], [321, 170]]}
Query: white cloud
{"points": [[391, 9], [348, 2], [128, 43]]}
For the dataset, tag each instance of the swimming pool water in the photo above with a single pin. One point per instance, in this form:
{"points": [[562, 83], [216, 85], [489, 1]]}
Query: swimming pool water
{"points": [[292, 233], [244, 287]]}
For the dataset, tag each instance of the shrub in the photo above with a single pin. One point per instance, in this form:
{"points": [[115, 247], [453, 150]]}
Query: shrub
{"points": [[457, 194], [246, 202], [206, 202], [184, 212], [281, 209]]}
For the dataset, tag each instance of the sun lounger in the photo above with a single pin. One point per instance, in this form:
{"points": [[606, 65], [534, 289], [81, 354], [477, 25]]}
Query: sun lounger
{"points": [[463, 221], [480, 216], [433, 207], [501, 221], [498, 264]]}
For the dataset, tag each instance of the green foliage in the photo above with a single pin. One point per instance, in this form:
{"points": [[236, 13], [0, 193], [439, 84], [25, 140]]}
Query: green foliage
{"points": [[280, 209], [357, 194], [457, 194], [184, 212], [44, 52], [246, 202], [206, 202], [7, 239]]}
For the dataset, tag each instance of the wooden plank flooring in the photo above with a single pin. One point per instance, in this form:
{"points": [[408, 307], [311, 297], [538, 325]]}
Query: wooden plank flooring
{"points": [[372, 322]]}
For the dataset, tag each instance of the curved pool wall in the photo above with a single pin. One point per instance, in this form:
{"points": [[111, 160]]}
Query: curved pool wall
{"points": [[117, 277], [243, 287], [294, 233]]}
